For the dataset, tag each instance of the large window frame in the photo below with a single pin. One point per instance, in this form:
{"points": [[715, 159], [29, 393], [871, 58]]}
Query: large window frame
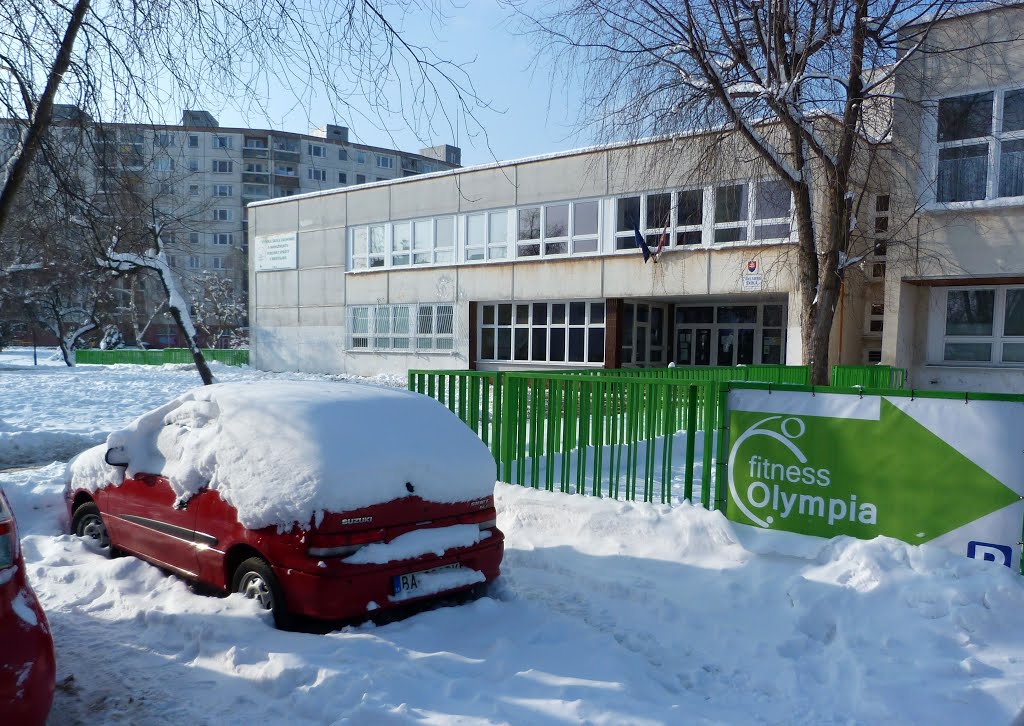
{"points": [[558, 332], [487, 235], [998, 342], [979, 133], [707, 331], [402, 328]]}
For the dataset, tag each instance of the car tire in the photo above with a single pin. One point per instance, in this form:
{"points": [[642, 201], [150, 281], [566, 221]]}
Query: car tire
{"points": [[254, 579], [87, 523]]}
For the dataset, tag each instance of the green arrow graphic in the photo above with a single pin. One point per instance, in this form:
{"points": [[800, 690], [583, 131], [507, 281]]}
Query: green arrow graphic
{"points": [[831, 476]]}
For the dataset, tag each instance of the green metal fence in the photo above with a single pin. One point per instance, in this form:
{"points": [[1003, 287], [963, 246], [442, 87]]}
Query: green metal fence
{"points": [[160, 356], [876, 376], [605, 435]]}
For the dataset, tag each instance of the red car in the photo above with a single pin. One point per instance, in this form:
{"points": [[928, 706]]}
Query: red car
{"points": [[27, 665], [286, 493]]}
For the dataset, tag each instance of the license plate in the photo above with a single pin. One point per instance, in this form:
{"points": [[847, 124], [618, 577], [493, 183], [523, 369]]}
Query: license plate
{"points": [[411, 581]]}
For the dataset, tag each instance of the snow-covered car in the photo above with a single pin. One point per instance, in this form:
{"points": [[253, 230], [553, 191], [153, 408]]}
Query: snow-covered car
{"points": [[322, 500], [27, 666]]}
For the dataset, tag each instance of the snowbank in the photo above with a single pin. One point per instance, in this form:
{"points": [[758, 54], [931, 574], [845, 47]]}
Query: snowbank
{"points": [[286, 452]]}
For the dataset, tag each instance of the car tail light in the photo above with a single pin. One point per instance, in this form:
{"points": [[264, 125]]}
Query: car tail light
{"points": [[8, 543], [343, 545]]}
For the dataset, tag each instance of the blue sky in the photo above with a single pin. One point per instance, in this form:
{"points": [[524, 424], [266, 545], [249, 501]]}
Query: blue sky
{"points": [[531, 114]]}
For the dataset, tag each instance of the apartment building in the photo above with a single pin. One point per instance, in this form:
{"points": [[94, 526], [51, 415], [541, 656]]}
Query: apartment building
{"points": [[532, 263], [199, 177]]}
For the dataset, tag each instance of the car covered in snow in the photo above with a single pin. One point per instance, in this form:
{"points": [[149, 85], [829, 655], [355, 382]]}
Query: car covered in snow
{"points": [[27, 666], [318, 499]]}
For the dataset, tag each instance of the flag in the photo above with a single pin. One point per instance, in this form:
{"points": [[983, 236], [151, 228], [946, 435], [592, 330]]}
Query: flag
{"points": [[662, 241], [641, 242]]}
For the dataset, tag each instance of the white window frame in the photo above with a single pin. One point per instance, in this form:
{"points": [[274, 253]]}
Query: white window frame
{"points": [[194, 238], [222, 166], [385, 162], [222, 214], [318, 175], [491, 329], [360, 157], [193, 141], [360, 254], [223, 190], [163, 139], [195, 262], [218, 263], [316, 151], [221, 141], [404, 328], [194, 190], [489, 248], [938, 339], [163, 163]]}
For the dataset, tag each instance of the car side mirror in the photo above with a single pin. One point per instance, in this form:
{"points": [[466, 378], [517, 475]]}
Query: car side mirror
{"points": [[116, 456]]}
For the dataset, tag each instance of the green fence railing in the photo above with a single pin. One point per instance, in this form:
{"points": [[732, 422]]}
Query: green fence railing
{"points": [[160, 356], [875, 376], [605, 435]]}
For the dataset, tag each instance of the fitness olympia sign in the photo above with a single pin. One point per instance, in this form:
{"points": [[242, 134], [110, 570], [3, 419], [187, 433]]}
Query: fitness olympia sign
{"points": [[834, 464]]}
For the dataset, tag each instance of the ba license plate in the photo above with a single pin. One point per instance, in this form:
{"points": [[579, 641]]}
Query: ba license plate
{"points": [[412, 581]]}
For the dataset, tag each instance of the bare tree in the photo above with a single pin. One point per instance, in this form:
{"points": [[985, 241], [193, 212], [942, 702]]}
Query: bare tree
{"points": [[804, 86], [123, 61]]}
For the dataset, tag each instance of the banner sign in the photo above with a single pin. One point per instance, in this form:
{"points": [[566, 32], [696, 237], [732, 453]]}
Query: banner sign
{"points": [[276, 252], [942, 471]]}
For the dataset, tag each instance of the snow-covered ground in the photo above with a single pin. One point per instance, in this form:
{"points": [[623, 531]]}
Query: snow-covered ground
{"points": [[606, 612]]}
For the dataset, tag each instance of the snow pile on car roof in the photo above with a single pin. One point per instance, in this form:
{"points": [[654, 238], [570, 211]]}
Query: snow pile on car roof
{"points": [[287, 452]]}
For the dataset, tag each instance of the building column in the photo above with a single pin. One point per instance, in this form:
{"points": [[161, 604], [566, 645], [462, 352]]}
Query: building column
{"points": [[612, 333]]}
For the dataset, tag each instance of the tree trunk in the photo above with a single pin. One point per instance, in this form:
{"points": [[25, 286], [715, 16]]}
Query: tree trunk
{"points": [[197, 352], [40, 116]]}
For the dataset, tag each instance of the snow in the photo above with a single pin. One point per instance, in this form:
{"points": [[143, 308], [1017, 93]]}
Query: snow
{"points": [[419, 542], [286, 452], [606, 612]]}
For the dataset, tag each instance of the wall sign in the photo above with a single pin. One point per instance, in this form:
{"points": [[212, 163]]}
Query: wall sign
{"points": [[752, 277], [276, 252]]}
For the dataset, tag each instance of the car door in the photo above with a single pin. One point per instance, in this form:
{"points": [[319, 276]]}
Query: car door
{"points": [[154, 525]]}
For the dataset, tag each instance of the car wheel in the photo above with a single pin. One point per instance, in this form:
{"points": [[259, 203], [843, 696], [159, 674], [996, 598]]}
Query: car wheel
{"points": [[256, 581], [88, 524]]}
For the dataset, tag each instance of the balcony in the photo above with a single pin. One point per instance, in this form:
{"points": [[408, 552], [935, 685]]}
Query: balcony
{"points": [[286, 181], [253, 152], [252, 177], [286, 155]]}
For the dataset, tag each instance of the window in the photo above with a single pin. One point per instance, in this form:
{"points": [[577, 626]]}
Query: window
{"points": [[729, 334], [193, 238], [366, 247], [166, 189], [222, 167], [360, 178], [218, 263], [223, 215], [193, 190], [385, 162], [319, 175], [193, 141], [542, 332], [342, 177], [223, 190], [874, 268], [163, 163], [255, 167], [360, 157], [317, 151], [10, 133], [435, 327], [424, 326], [665, 219], [982, 325], [401, 244], [284, 170], [980, 138], [342, 154], [193, 164], [585, 216], [627, 218], [224, 238], [758, 211], [222, 142], [163, 139], [194, 262], [487, 236], [875, 319]]}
